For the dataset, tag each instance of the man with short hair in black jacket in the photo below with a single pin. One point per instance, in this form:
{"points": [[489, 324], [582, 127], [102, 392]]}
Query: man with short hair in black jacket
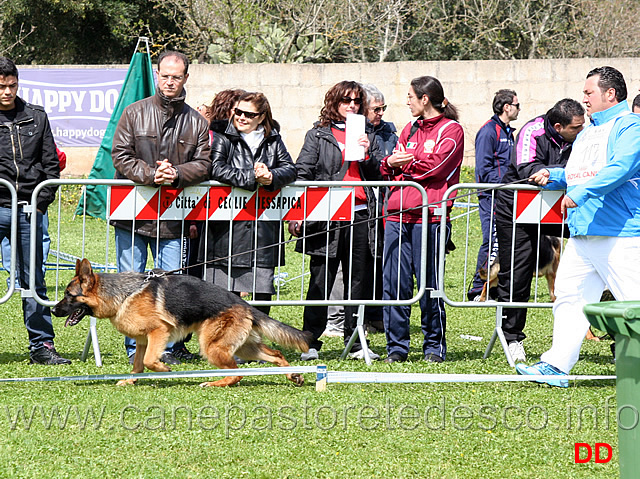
{"points": [[27, 158], [541, 143]]}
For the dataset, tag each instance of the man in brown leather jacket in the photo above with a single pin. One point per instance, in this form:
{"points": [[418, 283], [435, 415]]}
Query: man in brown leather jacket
{"points": [[159, 140]]}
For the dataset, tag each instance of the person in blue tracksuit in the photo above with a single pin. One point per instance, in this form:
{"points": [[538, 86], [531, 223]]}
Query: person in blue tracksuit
{"points": [[494, 143], [602, 179]]}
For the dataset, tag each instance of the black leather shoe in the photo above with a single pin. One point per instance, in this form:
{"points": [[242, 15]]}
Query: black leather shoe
{"points": [[169, 359], [183, 354], [394, 358], [433, 358], [47, 354]]}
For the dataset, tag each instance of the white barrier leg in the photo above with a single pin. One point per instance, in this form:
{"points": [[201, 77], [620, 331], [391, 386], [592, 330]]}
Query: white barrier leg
{"points": [[492, 341], [498, 333], [358, 332], [87, 343], [92, 339]]}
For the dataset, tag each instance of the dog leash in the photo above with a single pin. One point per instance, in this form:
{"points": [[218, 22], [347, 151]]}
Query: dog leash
{"points": [[335, 228]]}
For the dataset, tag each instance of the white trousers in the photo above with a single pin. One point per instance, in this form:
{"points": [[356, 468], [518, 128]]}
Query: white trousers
{"points": [[588, 265]]}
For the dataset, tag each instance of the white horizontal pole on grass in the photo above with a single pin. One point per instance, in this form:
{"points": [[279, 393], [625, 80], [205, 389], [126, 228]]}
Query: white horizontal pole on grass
{"points": [[331, 376], [374, 377], [173, 374]]}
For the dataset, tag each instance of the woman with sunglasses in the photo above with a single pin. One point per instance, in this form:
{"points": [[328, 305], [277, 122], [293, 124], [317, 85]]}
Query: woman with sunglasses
{"points": [[429, 152], [322, 159], [248, 152]]}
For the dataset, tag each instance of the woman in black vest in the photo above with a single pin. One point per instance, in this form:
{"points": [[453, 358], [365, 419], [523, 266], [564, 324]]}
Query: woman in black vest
{"points": [[322, 159], [248, 152]]}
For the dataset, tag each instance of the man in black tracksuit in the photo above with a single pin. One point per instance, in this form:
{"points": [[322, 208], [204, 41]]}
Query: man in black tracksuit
{"points": [[542, 142]]}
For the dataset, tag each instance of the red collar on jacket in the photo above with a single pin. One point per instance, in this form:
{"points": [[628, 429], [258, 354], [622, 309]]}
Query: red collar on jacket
{"points": [[429, 122]]}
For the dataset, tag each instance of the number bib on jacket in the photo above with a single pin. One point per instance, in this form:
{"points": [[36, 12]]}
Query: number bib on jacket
{"points": [[589, 153]]}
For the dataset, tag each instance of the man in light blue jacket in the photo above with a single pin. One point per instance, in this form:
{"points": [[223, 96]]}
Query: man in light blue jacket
{"points": [[602, 179]]}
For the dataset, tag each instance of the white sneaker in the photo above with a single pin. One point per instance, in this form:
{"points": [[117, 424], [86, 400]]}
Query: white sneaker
{"points": [[311, 355], [516, 349], [360, 355], [333, 333]]}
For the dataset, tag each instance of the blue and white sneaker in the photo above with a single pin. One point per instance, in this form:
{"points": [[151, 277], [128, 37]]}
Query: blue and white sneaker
{"points": [[544, 369]]}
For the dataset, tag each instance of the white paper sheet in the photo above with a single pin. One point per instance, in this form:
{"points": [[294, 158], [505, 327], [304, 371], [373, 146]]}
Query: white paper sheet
{"points": [[354, 130]]}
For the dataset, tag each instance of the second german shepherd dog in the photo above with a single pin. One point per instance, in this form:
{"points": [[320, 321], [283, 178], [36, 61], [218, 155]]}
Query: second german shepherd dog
{"points": [[155, 309], [548, 265]]}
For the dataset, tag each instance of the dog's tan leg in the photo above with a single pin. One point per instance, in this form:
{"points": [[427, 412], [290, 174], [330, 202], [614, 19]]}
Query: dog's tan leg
{"points": [[156, 343], [220, 337], [138, 358], [274, 356], [223, 358], [138, 365], [551, 283], [551, 275], [259, 352], [591, 336], [483, 294]]}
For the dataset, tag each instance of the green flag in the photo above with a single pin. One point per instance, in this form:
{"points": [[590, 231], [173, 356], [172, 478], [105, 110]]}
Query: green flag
{"points": [[138, 84]]}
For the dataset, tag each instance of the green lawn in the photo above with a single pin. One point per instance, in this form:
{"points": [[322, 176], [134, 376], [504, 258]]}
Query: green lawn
{"points": [[265, 427]]}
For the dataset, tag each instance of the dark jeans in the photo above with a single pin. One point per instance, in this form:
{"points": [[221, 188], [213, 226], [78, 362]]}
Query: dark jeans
{"points": [[37, 318], [324, 269], [488, 249], [402, 252]]}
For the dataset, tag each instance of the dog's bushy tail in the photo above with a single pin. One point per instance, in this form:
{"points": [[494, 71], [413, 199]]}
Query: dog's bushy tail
{"points": [[281, 333]]}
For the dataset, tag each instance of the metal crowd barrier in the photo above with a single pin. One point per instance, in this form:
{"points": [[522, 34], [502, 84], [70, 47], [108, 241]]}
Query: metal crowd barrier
{"points": [[214, 201], [531, 211], [12, 241]]}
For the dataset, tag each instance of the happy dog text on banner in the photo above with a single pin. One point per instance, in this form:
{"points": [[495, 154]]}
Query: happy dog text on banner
{"points": [[227, 203], [78, 101]]}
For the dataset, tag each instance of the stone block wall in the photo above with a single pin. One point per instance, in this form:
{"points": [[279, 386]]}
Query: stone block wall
{"points": [[296, 91]]}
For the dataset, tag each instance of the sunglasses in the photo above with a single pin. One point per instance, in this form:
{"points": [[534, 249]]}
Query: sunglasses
{"points": [[517, 105], [348, 99], [250, 115], [379, 109]]}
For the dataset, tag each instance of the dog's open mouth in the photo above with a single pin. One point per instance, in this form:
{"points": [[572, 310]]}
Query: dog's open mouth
{"points": [[77, 314]]}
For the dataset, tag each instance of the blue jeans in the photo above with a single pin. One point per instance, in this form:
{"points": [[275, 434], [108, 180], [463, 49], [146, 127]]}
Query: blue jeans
{"points": [[402, 250], [131, 255], [37, 318], [5, 245]]}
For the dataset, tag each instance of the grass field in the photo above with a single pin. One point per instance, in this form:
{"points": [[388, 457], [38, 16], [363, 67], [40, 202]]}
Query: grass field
{"points": [[265, 427]]}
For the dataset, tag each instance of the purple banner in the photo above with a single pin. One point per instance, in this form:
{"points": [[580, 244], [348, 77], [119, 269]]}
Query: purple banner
{"points": [[79, 102]]}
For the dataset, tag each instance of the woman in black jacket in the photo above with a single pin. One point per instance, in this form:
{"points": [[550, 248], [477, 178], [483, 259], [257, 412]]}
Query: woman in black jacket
{"points": [[322, 159], [247, 152]]}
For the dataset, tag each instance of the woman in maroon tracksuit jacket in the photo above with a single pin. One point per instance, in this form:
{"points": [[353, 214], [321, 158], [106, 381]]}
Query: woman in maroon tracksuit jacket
{"points": [[429, 152]]}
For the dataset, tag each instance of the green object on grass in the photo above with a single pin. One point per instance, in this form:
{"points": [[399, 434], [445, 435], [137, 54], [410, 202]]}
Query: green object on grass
{"points": [[621, 319]]}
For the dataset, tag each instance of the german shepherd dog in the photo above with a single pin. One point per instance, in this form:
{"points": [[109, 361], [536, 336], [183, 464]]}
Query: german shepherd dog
{"points": [[548, 262], [155, 309]]}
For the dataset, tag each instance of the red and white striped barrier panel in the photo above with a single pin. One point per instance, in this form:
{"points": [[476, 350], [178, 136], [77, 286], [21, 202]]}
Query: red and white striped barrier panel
{"points": [[539, 207], [228, 203]]}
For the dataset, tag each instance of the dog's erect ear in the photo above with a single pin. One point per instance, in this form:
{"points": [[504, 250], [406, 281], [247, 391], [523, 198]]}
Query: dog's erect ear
{"points": [[84, 267], [85, 272]]}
